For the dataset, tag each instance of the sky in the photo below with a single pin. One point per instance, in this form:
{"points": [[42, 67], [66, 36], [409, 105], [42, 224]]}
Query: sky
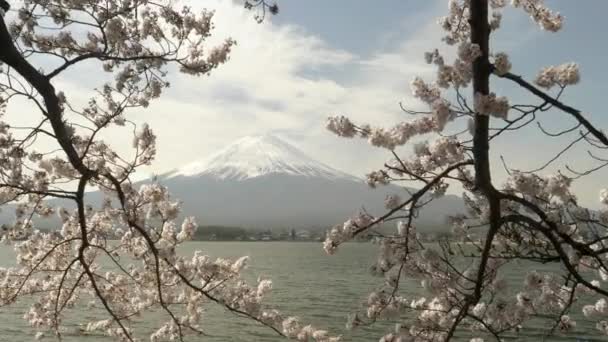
{"points": [[357, 58]]}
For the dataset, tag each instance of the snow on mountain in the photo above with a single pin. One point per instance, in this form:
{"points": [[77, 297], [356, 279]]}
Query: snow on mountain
{"points": [[259, 155]]}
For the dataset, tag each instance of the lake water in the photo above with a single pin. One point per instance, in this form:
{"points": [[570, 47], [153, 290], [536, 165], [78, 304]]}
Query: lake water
{"points": [[320, 289]]}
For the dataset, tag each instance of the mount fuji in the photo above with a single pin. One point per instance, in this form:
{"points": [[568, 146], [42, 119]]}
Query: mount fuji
{"points": [[264, 182]]}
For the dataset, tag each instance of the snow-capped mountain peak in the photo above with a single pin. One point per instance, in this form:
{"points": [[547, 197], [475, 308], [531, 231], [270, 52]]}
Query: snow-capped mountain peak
{"points": [[259, 155]]}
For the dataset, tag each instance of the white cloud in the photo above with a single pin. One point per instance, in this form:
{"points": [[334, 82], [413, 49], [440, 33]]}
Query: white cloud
{"points": [[279, 79]]}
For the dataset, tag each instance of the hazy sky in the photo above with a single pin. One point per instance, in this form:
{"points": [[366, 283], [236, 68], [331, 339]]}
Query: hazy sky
{"points": [[357, 58]]}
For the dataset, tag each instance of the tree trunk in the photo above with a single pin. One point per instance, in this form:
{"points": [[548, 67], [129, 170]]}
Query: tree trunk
{"points": [[480, 35]]}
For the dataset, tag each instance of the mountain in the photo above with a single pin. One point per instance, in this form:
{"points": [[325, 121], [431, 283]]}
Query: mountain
{"points": [[264, 182], [258, 156]]}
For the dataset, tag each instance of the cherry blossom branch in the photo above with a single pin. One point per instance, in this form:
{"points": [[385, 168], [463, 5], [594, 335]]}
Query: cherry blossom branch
{"points": [[577, 114], [416, 196]]}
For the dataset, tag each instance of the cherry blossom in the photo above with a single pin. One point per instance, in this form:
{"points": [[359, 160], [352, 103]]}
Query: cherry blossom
{"points": [[562, 75], [529, 216]]}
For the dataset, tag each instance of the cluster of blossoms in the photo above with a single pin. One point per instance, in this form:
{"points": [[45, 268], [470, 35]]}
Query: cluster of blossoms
{"points": [[398, 135], [401, 133], [440, 153], [459, 10], [541, 188], [377, 177], [469, 52], [292, 328], [599, 308], [604, 196], [452, 23], [502, 65], [561, 75], [122, 29], [341, 126], [145, 141], [544, 294], [428, 158], [345, 232], [460, 73], [546, 18], [440, 109], [496, 106], [496, 5]]}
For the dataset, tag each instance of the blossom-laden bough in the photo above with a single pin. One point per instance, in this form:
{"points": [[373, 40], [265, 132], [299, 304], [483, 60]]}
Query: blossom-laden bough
{"points": [[534, 217], [137, 42]]}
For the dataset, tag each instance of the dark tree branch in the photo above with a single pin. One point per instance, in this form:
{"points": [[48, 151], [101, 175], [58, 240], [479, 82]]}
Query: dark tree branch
{"points": [[577, 114]]}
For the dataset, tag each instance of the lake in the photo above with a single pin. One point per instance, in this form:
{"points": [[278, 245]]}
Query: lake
{"points": [[320, 289]]}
